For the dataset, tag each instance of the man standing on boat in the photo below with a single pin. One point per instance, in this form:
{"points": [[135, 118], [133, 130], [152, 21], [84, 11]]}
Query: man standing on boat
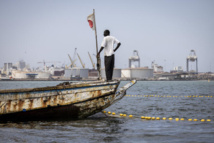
{"points": [[108, 46]]}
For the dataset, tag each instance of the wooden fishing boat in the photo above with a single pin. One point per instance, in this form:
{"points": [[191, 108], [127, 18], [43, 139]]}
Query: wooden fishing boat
{"points": [[64, 101]]}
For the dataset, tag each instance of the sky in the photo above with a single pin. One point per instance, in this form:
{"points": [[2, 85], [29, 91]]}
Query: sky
{"points": [[164, 31]]}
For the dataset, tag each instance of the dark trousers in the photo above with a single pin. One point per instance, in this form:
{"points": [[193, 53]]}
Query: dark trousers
{"points": [[109, 66]]}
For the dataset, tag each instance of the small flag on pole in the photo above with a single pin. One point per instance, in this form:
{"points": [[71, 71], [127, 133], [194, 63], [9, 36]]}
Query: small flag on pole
{"points": [[90, 19]]}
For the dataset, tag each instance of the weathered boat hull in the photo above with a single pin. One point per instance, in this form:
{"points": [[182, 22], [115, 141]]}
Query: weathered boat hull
{"points": [[65, 101], [72, 111]]}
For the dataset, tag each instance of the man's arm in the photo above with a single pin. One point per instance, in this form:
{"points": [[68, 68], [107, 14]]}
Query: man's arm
{"points": [[118, 45], [98, 54]]}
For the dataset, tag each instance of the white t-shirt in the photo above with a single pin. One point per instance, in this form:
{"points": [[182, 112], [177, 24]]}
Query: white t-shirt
{"points": [[108, 44]]}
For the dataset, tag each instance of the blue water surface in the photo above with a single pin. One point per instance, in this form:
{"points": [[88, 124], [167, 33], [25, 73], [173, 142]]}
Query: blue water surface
{"points": [[144, 102]]}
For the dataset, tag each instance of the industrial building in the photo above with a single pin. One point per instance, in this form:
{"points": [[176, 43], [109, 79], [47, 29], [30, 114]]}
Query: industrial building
{"points": [[76, 72], [55, 71], [16, 74], [21, 65], [93, 74], [137, 73], [177, 69], [116, 73], [156, 67]]}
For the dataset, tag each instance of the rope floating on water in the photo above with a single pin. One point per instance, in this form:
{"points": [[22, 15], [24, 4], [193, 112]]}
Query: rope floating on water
{"points": [[113, 114], [170, 96]]}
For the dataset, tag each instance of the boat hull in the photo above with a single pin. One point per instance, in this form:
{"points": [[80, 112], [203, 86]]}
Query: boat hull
{"points": [[65, 101], [73, 111]]}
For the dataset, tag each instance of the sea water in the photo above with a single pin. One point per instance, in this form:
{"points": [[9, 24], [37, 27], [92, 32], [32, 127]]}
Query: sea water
{"points": [[170, 99]]}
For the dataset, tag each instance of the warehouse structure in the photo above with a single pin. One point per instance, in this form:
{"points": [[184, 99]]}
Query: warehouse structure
{"points": [[116, 73], [137, 73], [76, 72]]}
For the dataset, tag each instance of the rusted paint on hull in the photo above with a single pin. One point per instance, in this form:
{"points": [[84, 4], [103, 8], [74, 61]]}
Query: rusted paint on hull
{"points": [[68, 103], [76, 102], [72, 111]]}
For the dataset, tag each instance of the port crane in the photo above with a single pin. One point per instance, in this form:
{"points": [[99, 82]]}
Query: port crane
{"points": [[83, 65], [44, 63], [134, 58], [72, 62], [192, 58], [93, 64]]}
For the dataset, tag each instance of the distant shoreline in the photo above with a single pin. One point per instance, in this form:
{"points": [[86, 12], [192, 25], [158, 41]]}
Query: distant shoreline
{"points": [[116, 79]]}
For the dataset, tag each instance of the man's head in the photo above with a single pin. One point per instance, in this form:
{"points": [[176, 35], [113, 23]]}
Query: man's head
{"points": [[106, 32]]}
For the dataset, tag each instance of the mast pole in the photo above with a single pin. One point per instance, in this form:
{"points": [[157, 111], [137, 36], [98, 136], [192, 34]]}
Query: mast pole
{"points": [[98, 58]]}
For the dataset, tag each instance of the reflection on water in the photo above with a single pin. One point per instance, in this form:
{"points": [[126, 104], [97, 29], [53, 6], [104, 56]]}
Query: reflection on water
{"points": [[96, 128], [99, 128]]}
